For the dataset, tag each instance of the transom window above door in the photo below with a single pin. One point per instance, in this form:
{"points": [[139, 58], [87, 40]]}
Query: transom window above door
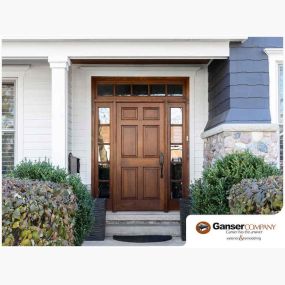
{"points": [[140, 87]]}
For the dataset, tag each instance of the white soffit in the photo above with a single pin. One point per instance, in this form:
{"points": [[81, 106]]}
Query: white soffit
{"points": [[117, 48]]}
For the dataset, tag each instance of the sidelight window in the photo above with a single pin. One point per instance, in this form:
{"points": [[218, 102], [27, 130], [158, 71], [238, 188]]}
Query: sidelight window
{"points": [[103, 142], [176, 151]]}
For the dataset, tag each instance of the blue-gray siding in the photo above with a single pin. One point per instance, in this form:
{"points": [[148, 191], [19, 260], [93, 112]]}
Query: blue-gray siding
{"points": [[239, 86]]}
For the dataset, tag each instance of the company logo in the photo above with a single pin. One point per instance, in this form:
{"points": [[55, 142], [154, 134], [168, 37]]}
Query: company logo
{"points": [[203, 228]]}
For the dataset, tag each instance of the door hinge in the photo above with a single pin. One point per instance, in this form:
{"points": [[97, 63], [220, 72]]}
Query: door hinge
{"points": [[187, 138]]}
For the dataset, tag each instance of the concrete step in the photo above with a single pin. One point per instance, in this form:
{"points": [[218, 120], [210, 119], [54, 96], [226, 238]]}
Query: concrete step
{"points": [[143, 216], [142, 223]]}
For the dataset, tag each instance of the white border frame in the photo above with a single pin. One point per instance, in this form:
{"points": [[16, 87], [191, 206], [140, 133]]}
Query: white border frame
{"points": [[16, 73]]}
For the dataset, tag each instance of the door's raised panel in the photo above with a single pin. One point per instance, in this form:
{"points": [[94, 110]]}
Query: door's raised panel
{"points": [[129, 189], [129, 141], [151, 141], [151, 113], [151, 182], [129, 113]]}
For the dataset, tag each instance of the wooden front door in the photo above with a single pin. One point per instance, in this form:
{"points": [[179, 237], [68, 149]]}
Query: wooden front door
{"points": [[140, 154], [138, 122]]}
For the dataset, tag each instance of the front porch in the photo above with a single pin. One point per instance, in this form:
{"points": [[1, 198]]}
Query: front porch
{"points": [[224, 102]]}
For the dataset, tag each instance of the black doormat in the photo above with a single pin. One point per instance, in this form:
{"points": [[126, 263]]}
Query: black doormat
{"points": [[143, 238]]}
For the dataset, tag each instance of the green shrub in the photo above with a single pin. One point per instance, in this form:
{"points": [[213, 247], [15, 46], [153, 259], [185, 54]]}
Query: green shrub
{"points": [[251, 196], [37, 213], [210, 194], [45, 171]]}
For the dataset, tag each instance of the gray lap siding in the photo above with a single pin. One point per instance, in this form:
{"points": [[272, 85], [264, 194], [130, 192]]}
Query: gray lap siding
{"points": [[239, 85]]}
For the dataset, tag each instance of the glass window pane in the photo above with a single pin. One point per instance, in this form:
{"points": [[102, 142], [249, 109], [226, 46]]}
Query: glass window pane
{"points": [[175, 89], [8, 89], [104, 116], [104, 171], [176, 190], [157, 90], [104, 134], [104, 189], [176, 170], [140, 90], [105, 90], [8, 121], [176, 153], [103, 153], [176, 116], [7, 151], [176, 134], [123, 90], [8, 105]]}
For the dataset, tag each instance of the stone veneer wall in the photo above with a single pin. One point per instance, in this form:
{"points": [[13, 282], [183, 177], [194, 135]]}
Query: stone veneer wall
{"points": [[261, 143]]}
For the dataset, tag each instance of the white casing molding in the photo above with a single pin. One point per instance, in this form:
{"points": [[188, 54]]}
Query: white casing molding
{"points": [[81, 91], [17, 73], [275, 57], [59, 110]]}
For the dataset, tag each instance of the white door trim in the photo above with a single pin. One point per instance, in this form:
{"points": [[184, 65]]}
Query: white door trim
{"points": [[199, 89]]}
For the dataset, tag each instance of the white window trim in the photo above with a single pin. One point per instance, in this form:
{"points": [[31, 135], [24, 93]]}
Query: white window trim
{"points": [[16, 73], [275, 57]]}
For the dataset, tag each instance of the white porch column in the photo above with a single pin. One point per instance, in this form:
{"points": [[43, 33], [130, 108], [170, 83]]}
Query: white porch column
{"points": [[59, 109]]}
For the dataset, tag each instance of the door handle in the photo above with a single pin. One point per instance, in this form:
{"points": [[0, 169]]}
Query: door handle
{"points": [[161, 162]]}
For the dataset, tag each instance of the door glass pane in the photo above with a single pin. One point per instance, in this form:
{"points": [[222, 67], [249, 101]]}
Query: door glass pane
{"points": [[176, 153], [175, 89], [176, 116], [123, 90], [176, 190], [105, 89], [104, 188], [140, 90], [176, 170], [176, 134], [104, 116], [104, 134], [104, 171], [104, 153], [157, 90]]}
